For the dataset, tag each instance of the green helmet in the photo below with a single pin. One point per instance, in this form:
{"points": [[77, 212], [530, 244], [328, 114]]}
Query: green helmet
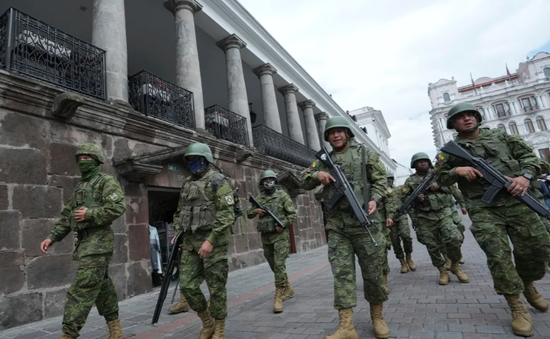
{"points": [[268, 174], [459, 108], [337, 122], [198, 148], [420, 156], [94, 151], [389, 174]]}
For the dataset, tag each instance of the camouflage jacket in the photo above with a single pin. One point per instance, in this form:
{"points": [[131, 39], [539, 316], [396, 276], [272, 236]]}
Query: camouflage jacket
{"points": [[509, 154], [94, 235], [280, 204], [458, 196], [206, 206], [341, 215], [433, 201]]}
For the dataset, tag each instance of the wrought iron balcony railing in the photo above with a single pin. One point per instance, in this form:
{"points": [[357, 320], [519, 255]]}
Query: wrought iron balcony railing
{"points": [[31, 47], [226, 125], [156, 97], [273, 143]]}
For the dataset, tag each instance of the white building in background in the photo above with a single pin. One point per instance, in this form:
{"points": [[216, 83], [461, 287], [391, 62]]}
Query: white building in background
{"points": [[373, 124], [518, 103]]}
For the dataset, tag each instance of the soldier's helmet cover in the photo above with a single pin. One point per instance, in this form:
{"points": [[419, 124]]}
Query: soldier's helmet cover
{"points": [[336, 122], [94, 151]]}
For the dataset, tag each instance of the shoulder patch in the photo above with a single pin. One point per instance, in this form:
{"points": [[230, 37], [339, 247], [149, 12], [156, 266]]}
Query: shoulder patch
{"points": [[313, 164], [229, 200], [403, 190], [440, 157]]}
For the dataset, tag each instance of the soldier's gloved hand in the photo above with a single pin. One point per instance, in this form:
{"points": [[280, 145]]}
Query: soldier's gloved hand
{"points": [[325, 178], [389, 222], [468, 172]]}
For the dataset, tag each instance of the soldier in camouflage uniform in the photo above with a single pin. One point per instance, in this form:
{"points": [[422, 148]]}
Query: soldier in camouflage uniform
{"points": [[95, 203], [205, 214], [505, 219], [399, 230], [435, 222], [275, 239], [346, 237]]}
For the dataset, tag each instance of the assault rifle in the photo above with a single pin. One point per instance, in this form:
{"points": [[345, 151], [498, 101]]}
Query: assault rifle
{"points": [[344, 189], [172, 259], [256, 203], [421, 189], [495, 180]]}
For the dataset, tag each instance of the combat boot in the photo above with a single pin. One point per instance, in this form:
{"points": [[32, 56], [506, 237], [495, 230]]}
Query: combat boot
{"points": [[181, 306], [386, 285], [219, 332], [448, 263], [455, 269], [534, 298], [381, 329], [278, 301], [66, 336], [115, 331], [208, 327], [288, 291], [410, 262], [462, 261], [345, 329], [404, 266], [521, 319], [443, 276]]}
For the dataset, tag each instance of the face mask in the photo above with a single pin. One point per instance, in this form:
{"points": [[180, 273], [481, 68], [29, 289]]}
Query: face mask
{"points": [[86, 166], [194, 166], [269, 184]]}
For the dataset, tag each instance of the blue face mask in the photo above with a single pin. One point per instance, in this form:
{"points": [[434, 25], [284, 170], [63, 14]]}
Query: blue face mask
{"points": [[194, 166]]}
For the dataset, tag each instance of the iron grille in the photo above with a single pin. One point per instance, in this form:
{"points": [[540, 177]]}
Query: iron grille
{"points": [[273, 143], [156, 97], [226, 125], [34, 48]]}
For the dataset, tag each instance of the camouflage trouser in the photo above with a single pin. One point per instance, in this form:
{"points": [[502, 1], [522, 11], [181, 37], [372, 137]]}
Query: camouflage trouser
{"points": [[342, 250], [213, 269], [275, 253], [400, 231], [440, 236], [492, 226], [386, 265], [92, 285], [458, 221]]}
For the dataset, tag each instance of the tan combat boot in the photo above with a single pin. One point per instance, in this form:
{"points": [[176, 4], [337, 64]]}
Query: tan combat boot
{"points": [[207, 325], [534, 298], [443, 276], [386, 285], [66, 336], [115, 331], [521, 319], [181, 306], [288, 291], [381, 329], [404, 266], [455, 269], [410, 262], [345, 329], [278, 301], [219, 332], [462, 261], [448, 263]]}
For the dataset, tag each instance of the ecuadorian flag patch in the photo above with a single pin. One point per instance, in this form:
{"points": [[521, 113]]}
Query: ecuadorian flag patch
{"points": [[313, 165], [440, 157]]}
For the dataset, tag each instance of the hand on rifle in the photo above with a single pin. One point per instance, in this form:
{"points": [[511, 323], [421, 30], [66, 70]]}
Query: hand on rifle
{"points": [[325, 178], [434, 187], [420, 197], [79, 214], [279, 229], [463, 210], [260, 211], [519, 186], [468, 172]]}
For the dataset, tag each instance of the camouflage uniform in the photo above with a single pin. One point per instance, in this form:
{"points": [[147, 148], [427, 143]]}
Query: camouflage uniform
{"points": [[386, 209], [205, 212], [102, 195], [346, 237], [400, 230], [275, 245], [505, 216], [435, 224], [456, 218]]}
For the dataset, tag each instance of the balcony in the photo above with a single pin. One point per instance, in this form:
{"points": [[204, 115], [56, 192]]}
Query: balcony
{"points": [[34, 48], [226, 125], [272, 143], [161, 99], [528, 109], [504, 114]]}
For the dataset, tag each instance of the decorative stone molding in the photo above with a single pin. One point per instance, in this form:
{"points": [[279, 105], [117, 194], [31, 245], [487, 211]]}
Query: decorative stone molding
{"points": [[66, 104], [176, 5], [290, 88], [306, 104], [264, 69], [321, 116], [232, 41]]}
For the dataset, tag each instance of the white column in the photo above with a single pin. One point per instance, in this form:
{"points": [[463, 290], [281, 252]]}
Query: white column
{"points": [[311, 128], [236, 87], [188, 73], [292, 117], [321, 119], [269, 98], [109, 33]]}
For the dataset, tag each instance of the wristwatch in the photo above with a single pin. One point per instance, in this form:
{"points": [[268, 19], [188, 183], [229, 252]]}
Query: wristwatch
{"points": [[528, 176]]}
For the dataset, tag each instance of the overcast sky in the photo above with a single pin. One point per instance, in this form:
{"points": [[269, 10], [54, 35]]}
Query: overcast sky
{"points": [[384, 53]]}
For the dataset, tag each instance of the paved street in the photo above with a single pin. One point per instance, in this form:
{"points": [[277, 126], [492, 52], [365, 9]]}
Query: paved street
{"points": [[418, 306]]}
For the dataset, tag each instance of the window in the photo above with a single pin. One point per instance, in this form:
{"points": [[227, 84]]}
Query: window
{"points": [[529, 126], [541, 123], [545, 154], [446, 97], [547, 72], [502, 127], [482, 112], [502, 109], [513, 128], [529, 104]]}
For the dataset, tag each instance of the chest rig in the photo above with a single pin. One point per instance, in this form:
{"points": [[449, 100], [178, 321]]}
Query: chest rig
{"points": [[266, 224], [198, 210], [84, 197], [433, 201]]}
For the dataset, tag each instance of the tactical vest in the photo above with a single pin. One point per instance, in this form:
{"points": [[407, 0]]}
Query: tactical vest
{"points": [[198, 212], [266, 224], [433, 201], [83, 196], [350, 161]]}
